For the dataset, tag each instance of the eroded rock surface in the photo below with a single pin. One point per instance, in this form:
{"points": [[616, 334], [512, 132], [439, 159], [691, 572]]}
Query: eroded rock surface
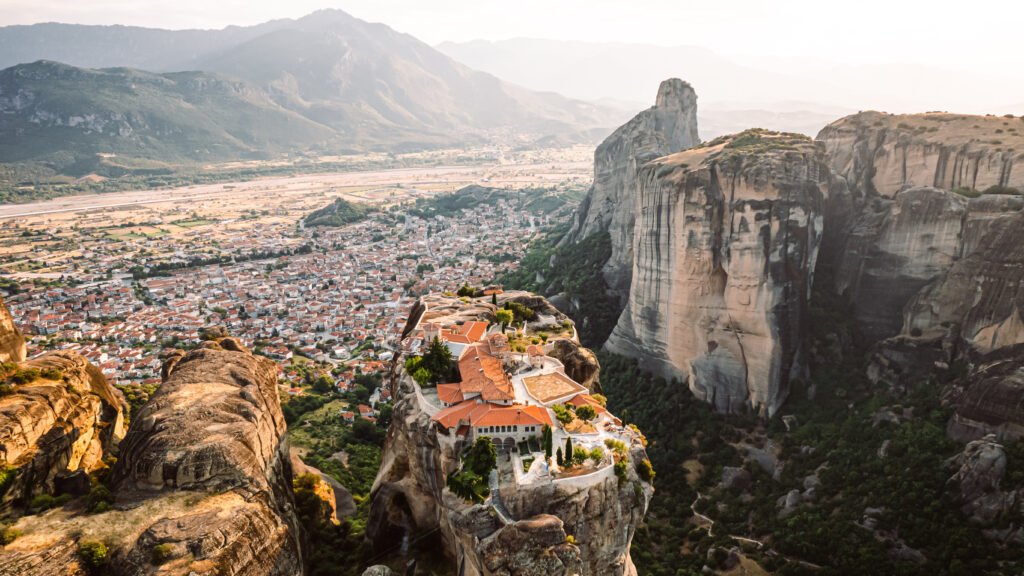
{"points": [[727, 237], [202, 473], [12, 343], [669, 126], [882, 154], [53, 428]]}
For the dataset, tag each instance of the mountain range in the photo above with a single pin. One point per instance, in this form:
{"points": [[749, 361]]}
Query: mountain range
{"points": [[327, 82]]}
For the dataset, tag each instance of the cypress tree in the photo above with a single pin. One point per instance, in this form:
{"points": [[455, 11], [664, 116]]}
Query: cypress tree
{"points": [[568, 449], [558, 457]]}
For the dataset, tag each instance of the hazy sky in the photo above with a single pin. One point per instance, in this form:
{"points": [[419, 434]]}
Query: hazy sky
{"points": [[983, 35]]}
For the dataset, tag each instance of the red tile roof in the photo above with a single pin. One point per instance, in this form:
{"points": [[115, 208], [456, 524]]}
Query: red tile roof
{"points": [[482, 373]]}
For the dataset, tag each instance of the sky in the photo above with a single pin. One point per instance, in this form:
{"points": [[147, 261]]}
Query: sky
{"points": [[982, 36]]}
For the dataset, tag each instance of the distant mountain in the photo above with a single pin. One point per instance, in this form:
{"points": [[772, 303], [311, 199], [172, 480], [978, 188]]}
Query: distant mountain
{"points": [[70, 117], [337, 213], [327, 82], [615, 72]]}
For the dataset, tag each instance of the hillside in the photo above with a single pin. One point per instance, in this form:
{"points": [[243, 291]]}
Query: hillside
{"points": [[338, 213], [327, 81], [68, 116]]}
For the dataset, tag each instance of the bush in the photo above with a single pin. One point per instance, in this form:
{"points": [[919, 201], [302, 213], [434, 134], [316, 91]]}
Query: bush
{"points": [[620, 470], [162, 553], [100, 499], [563, 414], [52, 374], [645, 470], [579, 455], [617, 446], [586, 413], [9, 534], [596, 455], [93, 553]]}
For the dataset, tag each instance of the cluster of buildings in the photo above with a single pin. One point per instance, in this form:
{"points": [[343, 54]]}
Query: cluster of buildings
{"points": [[343, 301]]}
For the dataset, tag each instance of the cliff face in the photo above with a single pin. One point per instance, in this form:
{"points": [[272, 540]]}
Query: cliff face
{"points": [[881, 154], [726, 242], [935, 272], [669, 126], [202, 473], [58, 423], [12, 343], [522, 528], [54, 428]]}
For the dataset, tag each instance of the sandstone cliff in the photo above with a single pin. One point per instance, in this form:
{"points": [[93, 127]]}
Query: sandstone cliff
{"points": [[12, 343], [202, 475], [58, 426], [929, 253], [669, 126], [581, 526], [726, 241], [881, 154], [59, 418]]}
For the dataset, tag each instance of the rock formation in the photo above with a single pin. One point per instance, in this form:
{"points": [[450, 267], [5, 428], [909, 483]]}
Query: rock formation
{"points": [[669, 126], [727, 237], [531, 532], [58, 425], [202, 474], [59, 417], [930, 253], [12, 343], [980, 469], [881, 154]]}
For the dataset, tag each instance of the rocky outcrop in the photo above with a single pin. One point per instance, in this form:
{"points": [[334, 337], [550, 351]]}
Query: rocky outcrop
{"points": [[12, 343], [727, 237], [63, 422], [882, 154], [669, 126], [980, 469], [990, 398], [580, 363], [202, 474], [894, 249], [531, 532]]}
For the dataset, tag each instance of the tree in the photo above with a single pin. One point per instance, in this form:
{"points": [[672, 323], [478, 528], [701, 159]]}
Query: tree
{"points": [[547, 439], [586, 413], [384, 416], [482, 457], [558, 456], [503, 317], [437, 360], [494, 299], [323, 385], [568, 449]]}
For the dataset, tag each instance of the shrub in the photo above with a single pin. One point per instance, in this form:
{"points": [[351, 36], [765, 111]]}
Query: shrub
{"points": [[52, 373], [570, 539], [100, 499], [42, 502], [9, 534], [586, 413], [596, 454], [579, 455], [617, 446], [601, 399], [162, 553], [645, 470], [620, 470], [563, 414], [93, 553]]}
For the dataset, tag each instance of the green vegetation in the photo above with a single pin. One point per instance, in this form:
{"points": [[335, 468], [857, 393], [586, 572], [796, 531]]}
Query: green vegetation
{"points": [[520, 312], [433, 367], [544, 200], [504, 317], [576, 270], [586, 413], [94, 554], [470, 482], [9, 534], [161, 554], [563, 414], [341, 212], [837, 441]]}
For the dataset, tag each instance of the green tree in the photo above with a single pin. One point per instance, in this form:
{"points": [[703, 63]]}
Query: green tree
{"points": [[323, 385], [503, 317], [548, 440], [568, 449], [586, 413], [482, 457], [558, 457], [438, 360], [494, 299]]}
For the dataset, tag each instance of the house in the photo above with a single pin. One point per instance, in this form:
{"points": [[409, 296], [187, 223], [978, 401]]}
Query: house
{"points": [[505, 425], [348, 417], [366, 412]]}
